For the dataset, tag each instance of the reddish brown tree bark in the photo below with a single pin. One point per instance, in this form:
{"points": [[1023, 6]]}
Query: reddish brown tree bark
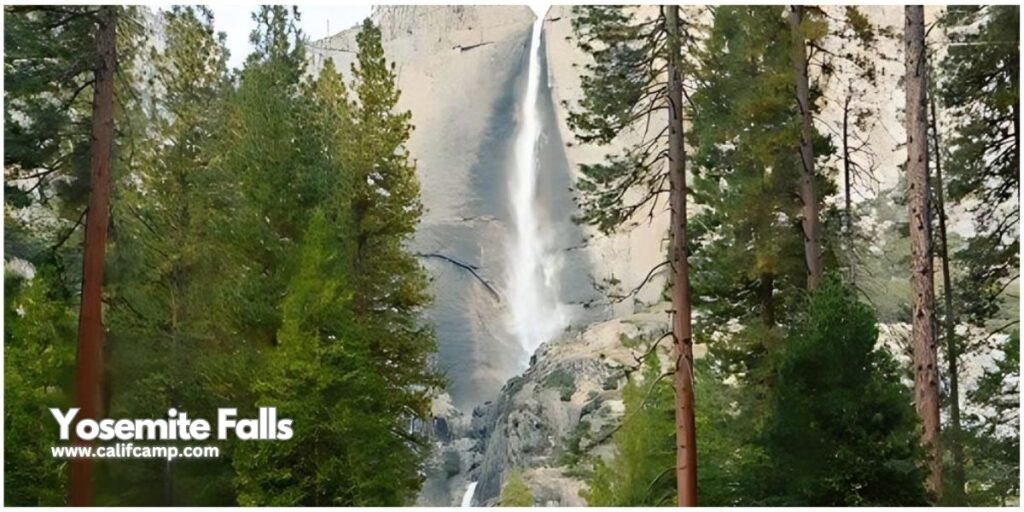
{"points": [[808, 188], [88, 361], [686, 438], [925, 357]]}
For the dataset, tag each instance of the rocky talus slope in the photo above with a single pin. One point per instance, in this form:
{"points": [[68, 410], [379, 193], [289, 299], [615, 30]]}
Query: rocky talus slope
{"points": [[563, 407]]}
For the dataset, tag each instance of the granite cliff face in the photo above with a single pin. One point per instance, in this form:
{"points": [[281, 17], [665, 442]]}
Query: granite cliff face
{"points": [[462, 70]]}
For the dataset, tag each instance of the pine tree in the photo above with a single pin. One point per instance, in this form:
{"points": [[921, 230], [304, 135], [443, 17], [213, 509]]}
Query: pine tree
{"points": [[385, 212], [748, 255], [925, 358], [350, 360], [344, 451], [801, 24], [858, 67], [638, 70], [274, 166], [993, 442], [978, 85], [61, 150], [954, 493], [515, 492], [168, 261], [48, 74], [639, 474], [89, 359], [39, 322], [840, 430]]}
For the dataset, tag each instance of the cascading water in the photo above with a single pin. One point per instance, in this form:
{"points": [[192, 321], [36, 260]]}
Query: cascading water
{"points": [[537, 314], [467, 498]]}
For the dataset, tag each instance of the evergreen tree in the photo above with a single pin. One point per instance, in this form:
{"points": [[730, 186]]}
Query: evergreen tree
{"points": [[60, 149], [993, 440], [840, 430], [804, 26], [350, 362], [345, 451], [979, 85], [515, 492], [925, 354], [385, 212], [748, 255], [639, 69], [275, 167], [48, 75], [39, 322], [89, 356], [640, 472], [169, 261]]}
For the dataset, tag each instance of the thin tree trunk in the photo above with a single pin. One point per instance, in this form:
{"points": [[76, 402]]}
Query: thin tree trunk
{"points": [[957, 479], [847, 171], [808, 194], [686, 438], [926, 375], [88, 361], [766, 294]]}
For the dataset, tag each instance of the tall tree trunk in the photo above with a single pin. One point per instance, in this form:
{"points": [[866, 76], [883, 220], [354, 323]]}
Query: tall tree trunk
{"points": [[686, 438], [88, 361], [847, 171], [957, 479], [926, 374], [808, 194]]}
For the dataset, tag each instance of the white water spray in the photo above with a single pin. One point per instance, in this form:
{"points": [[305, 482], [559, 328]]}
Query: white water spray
{"points": [[537, 314], [467, 499]]}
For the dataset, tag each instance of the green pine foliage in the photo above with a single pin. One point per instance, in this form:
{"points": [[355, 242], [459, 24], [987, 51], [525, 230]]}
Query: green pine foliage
{"points": [[39, 323], [347, 450], [624, 89], [47, 89], [515, 492], [992, 441], [385, 210], [747, 242], [642, 470], [350, 356], [166, 263], [978, 83], [257, 257], [840, 430], [837, 427]]}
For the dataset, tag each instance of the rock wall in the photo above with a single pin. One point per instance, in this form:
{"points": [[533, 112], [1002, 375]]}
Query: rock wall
{"points": [[565, 404], [461, 70]]}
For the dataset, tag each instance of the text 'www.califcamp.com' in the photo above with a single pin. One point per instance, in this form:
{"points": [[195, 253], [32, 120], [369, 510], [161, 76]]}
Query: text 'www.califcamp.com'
{"points": [[131, 451]]}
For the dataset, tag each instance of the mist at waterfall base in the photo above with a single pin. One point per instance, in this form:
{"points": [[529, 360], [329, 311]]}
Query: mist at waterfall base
{"points": [[537, 314]]}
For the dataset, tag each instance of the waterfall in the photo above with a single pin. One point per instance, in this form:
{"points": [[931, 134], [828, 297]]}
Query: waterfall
{"points": [[537, 314], [467, 499]]}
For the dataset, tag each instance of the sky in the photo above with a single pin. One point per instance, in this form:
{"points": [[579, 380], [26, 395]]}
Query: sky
{"points": [[315, 18]]}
